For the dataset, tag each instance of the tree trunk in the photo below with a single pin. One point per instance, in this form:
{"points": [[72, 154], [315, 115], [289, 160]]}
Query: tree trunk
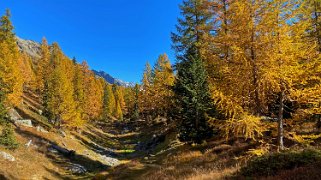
{"points": [[254, 67], [317, 25], [280, 119], [255, 83], [226, 56]]}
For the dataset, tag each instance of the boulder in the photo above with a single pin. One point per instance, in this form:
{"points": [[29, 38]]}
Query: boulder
{"points": [[26, 122], [77, 169], [62, 133], [109, 161], [14, 115], [41, 129], [52, 150], [7, 156]]}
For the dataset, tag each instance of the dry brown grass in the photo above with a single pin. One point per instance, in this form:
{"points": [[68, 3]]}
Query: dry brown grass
{"points": [[193, 164], [36, 163], [30, 162], [128, 170]]}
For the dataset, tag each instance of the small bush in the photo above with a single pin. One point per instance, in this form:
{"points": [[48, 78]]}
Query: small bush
{"points": [[7, 137], [270, 165]]}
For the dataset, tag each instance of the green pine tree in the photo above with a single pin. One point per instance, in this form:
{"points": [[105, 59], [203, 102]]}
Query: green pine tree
{"points": [[193, 29], [191, 88], [7, 137], [193, 97]]}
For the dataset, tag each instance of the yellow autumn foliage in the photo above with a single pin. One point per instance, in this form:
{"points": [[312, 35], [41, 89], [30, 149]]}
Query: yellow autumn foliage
{"points": [[237, 122]]}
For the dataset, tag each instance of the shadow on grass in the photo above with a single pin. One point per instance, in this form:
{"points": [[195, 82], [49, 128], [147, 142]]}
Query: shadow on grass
{"points": [[114, 139], [95, 147], [4, 177], [65, 160], [100, 143]]}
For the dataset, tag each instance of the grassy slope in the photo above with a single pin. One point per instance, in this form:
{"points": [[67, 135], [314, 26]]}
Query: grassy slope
{"points": [[36, 161]]}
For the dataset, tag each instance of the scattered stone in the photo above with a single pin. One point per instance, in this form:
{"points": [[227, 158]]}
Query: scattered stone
{"points": [[7, 156], [52, 150], [40, 112], [51, 121], [146, 158], [14, 115], [126, 130], [77, 169], [62, 133], [269, 119], [29, 143], [64, 144], [26, 122], [41, 129], [44, 142], [86, 152], [109, 161]]}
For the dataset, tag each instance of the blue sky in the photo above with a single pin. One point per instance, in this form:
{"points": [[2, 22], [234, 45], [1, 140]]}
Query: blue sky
{"points": [[117, 36]]}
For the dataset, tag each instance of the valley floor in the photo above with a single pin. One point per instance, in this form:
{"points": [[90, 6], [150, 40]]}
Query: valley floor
{"points": [[127, 151]]}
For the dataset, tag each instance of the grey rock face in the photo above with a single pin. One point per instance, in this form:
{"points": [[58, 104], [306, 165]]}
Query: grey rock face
{"points": [[32, 48], [26, 122], [112, 80], [41, 129], [109, 161], [14, 115], [77, 169]]}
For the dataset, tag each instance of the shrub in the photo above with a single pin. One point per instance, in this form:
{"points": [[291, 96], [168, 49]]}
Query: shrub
{"points": [[270, 165], [7, 137]]}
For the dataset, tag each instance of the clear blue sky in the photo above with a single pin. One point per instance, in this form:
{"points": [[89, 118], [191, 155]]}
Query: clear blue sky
{"points": [[117, 36]]}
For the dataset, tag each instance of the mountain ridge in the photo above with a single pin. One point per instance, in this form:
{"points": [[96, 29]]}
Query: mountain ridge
{"points": [[110, 79]]}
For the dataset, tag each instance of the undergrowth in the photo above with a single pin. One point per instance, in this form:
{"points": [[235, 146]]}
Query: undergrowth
{"points": [[272, 164], [7, 137]]}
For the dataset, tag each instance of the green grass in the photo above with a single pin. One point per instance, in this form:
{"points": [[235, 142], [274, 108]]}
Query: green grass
{"points": [[126, 151]]}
